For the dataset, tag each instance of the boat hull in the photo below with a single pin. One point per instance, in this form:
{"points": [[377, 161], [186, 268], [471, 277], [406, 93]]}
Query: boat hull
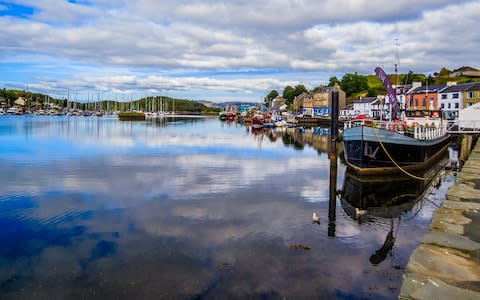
{"points": [[365, 154]]}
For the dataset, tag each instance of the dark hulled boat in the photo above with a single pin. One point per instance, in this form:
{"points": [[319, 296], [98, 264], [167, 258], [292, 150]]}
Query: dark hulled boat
{"points": [[379, 147], [411, 143]]}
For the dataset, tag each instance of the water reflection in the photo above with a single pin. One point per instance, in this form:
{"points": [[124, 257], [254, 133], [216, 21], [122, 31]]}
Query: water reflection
{"points": [[94, 208], [298, 138], [368, 199]]}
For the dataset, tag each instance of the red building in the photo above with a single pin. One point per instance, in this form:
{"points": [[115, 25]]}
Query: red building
{"points": [[424, 97]]}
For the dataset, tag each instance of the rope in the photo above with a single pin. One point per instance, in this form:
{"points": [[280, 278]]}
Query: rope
{"points": [[394, 162]]}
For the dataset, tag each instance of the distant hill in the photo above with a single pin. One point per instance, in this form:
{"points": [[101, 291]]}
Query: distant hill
{"points": [[222, 105]]}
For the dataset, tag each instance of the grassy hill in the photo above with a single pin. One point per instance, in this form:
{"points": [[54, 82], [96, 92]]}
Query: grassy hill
{"points": [[38, 100]]}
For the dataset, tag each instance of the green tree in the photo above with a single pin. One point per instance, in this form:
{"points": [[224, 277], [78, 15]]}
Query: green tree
{"points": [[289, 94], [353, 83], [444, 72], [333, 80], [268, 99], [430, 80], [300, 89]]}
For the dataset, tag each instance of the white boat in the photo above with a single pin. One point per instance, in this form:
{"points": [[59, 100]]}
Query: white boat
{"points": [[14, 110], [281, 123]]}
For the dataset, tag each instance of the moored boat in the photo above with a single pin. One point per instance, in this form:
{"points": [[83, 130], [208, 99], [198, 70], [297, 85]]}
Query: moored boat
{"points": [[408, 143], [375, 147], [222, 115], [231, 116], [131, 116], [257, 121]]}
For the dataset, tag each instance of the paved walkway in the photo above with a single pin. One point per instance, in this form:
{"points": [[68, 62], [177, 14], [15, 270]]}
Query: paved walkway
{"points": [[447, 263]]}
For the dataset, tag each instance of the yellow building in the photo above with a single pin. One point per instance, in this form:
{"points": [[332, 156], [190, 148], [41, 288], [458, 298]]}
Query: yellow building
{"points": [[319, 102], [471, 95]]}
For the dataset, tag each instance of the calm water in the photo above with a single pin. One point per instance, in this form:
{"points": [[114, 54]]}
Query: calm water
{"points": [[95, 208]]}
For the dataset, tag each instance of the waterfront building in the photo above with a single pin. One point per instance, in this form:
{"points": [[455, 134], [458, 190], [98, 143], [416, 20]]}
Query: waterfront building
{"points": [[403, 90], [278, 103], [347, 112], [371, 107], [471, 95], [424, 97], [451, 99], [319, 102], [299, 100]]}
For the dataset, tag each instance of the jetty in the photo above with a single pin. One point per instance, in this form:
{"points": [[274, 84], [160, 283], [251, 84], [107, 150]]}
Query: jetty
{"points": [[316, 121], [446, 265]]}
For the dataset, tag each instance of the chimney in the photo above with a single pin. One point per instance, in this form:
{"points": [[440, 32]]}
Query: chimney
{"points": [[416, 84]]}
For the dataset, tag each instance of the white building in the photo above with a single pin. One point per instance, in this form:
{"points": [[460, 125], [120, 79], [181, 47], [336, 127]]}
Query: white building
{"points": [[450, 99], [371, 107], [402, 92]]}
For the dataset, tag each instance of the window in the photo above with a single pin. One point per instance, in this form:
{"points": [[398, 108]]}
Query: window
{"points": [[442, 106], [456, 105], [455, 96], [411, 102], [470, 95], [444, 96], [424, 102], [416, 102], [449, 106]]}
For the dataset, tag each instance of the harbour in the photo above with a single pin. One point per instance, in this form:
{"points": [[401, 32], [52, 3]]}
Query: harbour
{"points": [[184, 207]]}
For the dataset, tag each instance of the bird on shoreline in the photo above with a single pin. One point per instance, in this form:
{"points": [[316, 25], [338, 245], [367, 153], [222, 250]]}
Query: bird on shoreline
{"points": [[360, 212], [315, 219]]}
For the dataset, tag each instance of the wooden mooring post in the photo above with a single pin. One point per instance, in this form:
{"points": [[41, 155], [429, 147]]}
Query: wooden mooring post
{"points": [[465, 147]]}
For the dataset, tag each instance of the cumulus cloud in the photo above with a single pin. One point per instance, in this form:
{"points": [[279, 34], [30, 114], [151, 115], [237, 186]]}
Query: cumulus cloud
{"points": [[153, 38]]}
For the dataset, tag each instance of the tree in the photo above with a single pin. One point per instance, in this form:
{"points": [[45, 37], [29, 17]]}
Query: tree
{"points": [[430, 80], [300, 89], [268, 99], [289, 94], [333, 81], [353, 83], [444, 72]]}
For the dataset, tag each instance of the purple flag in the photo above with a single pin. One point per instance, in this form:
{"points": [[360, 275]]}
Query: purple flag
{"points": [[392, 94]]}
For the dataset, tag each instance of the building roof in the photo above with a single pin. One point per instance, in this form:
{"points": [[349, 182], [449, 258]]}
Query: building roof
{"points": [[347, 107], [365, 100], [430, 88], [457, 88], [474, 87], [465, 69]]}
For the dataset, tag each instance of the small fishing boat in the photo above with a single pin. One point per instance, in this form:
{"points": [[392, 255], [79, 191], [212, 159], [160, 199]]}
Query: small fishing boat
{"points": [[222, 115], [230, 116], [257, 121]]}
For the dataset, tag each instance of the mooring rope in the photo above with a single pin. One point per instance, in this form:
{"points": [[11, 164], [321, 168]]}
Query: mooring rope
{"points": [[394, 162]]}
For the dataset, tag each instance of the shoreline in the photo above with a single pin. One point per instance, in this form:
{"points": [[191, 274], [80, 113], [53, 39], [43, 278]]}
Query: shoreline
{"points": [[446, 265]]}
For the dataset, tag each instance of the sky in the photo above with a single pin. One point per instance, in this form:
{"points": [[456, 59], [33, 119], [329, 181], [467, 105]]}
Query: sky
{"points": [[235, 50]]}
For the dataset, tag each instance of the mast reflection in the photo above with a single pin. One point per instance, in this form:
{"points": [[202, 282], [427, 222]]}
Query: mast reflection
{"points": [[332, 201], [367, 199]]}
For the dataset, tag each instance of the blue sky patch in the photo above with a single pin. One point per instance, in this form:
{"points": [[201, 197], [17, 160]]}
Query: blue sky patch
{"points": [[15, 10]]}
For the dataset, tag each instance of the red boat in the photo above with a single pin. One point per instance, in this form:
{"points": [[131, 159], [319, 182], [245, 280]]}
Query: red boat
{"points": [[257, 121], [231, 116]]}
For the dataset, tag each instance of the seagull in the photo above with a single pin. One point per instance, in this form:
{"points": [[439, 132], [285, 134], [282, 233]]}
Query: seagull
{"points": [[315, 219], [359, 212]]}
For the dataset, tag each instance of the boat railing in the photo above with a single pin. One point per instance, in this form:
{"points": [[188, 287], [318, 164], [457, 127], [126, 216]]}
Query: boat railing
{"points": [[419, 132]]}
